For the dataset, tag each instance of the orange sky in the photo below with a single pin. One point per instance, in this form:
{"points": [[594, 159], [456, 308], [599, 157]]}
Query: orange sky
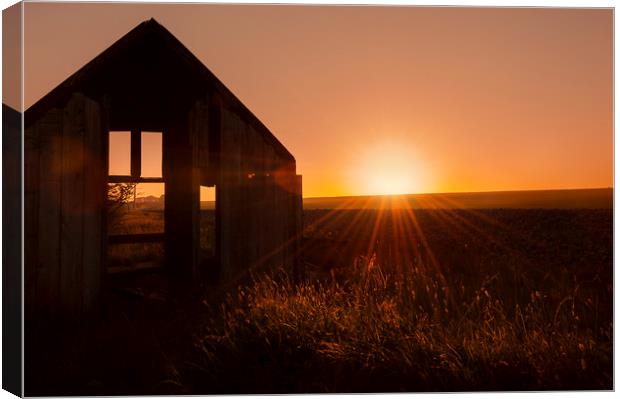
{"points": [[375, 100]]}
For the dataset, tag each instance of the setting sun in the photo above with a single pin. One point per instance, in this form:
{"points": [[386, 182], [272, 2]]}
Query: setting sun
{"points": [[388, 168]]}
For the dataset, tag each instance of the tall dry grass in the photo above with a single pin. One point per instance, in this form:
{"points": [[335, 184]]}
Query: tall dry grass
{"points": [[374, 329]]}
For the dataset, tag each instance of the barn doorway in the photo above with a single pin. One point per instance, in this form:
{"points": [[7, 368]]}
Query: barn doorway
{"points": [[135, 211]]}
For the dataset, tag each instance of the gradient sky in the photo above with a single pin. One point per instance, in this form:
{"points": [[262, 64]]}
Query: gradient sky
{"points": [[378, 100]]}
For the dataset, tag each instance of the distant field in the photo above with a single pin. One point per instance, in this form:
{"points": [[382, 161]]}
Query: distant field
{"points": [[544, 199]]}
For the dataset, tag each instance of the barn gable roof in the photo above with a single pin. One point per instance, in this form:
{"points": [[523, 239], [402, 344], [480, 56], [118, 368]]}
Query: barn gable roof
{"points": [[148, 31]]}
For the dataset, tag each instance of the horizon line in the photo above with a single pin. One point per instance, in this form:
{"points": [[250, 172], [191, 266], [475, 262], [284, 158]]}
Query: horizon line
{"points": [[466, 192]]}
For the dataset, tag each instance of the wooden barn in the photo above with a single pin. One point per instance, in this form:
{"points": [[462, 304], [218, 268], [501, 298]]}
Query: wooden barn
{"points": [[149, 82]]}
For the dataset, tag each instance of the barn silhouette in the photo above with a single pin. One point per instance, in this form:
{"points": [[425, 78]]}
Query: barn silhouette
{"points": [[149, 82]]}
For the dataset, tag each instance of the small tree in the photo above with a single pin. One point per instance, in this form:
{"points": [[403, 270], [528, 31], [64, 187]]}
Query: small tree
{"points": [[119, 194]]}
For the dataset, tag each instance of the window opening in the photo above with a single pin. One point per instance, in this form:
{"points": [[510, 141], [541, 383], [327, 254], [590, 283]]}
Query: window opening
{"points": [[135, 225], [119, 158], [151, 148], [135, 201]]}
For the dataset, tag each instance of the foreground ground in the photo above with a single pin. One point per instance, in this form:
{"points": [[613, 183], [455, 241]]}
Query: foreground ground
{"points": [[437, 300]]}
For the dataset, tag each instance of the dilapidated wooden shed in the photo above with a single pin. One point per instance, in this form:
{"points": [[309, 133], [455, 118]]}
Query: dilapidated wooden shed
{"points": [[149, 82]]}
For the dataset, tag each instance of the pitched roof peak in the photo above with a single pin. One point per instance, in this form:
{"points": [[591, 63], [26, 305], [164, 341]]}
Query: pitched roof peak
{"points": [[152, 21], [151, 35]]}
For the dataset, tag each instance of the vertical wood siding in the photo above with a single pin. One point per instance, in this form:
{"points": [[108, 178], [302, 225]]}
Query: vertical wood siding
{"points": [[260, 202], [64, 199]]}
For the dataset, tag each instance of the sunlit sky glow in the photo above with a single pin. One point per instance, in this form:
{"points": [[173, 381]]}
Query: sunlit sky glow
{"points": [[383, 100]]}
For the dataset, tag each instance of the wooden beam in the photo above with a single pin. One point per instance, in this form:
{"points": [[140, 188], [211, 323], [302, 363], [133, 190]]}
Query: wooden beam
{"points": [[131, 179], [214, 145], [182, 201], [136, 153], [135, 238], [141, 267]]}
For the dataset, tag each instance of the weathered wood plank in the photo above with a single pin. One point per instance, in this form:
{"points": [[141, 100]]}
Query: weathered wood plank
{"points": [[199, 130], [225, 194], [195, 219], [299, 270], [72, 207], [212, 174], [31, 218], [94, 193], [47, 264], [215, 139], [236, 211], [199, 137], [257, 200], [181, 201], [105, 143], [271, 240], [246, 234]]}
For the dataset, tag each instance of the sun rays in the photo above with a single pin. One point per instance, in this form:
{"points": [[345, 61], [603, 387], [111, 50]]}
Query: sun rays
{"points": [[387, 231]]}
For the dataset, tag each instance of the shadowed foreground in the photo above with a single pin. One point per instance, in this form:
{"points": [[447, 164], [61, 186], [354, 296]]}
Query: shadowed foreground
{"points": [[394, 301]]}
